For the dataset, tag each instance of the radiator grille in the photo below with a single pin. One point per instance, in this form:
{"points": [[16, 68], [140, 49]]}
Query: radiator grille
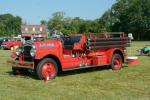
{"points": [[26, 52]]}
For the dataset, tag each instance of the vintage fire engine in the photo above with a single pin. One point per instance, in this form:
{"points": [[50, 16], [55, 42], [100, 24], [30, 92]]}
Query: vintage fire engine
{"points": [[71, 52]]}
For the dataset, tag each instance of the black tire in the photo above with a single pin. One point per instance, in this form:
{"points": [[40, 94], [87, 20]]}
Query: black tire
{"points": [[41, 72], [116, 63]]}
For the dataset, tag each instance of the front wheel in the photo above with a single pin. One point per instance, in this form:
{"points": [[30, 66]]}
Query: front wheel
{"points": [[116, 62], [47, 68]]}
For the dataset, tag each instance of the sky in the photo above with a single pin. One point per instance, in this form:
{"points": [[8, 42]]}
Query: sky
{"points": [[33, 11]]}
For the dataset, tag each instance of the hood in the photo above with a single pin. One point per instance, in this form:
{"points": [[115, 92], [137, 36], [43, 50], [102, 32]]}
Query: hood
{"points": [[47, 44]]}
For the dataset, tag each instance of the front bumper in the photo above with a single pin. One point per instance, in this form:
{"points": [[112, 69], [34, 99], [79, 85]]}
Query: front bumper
{"points": [[22, 64]]}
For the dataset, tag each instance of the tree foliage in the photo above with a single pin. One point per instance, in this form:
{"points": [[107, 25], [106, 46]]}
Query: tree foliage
{"points": [[72, 25], [130, 16], [10, 25]]}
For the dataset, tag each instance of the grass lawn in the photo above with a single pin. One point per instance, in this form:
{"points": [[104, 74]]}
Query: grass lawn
{"points": [[130, 83]]}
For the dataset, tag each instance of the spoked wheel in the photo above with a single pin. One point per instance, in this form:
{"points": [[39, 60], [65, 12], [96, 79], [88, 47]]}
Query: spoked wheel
{"points": [[116, 63], [47, 69]]}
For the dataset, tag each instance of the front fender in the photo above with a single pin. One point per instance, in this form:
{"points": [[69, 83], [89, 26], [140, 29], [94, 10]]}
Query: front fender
{"points": [[41, 54]]}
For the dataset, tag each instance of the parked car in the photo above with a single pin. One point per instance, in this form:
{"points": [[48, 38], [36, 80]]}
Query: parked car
{"points": [[10, 43], [3, 40]]}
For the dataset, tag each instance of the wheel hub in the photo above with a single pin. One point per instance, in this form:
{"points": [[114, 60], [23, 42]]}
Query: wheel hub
{"points": [[48, 70]]}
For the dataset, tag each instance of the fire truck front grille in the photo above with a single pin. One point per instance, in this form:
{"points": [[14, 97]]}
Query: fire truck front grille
{"points": [[26, 53]]}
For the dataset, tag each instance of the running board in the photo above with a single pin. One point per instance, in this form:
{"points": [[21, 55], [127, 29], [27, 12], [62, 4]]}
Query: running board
{"points": [[82, 67]]}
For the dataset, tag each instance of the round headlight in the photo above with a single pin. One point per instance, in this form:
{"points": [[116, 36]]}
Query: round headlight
{"points": [[18, 51], [32, 52]]}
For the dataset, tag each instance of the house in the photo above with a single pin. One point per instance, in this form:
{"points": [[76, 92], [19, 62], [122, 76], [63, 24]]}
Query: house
{"points": [[34, 30]]}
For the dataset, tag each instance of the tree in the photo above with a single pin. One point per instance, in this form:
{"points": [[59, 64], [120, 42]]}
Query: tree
{"points": [[72, 25], [56, 22], [43, 22], [10, 25], [130, 16]]}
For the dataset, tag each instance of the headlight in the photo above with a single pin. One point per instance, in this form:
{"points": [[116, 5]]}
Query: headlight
{"points": [[18, 51], [32, 51]]}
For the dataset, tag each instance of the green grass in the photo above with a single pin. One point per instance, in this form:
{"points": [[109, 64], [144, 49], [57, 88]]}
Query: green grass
{"points": [[130, 83]]}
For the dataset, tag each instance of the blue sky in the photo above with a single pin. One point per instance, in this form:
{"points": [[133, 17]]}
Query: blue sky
{"points": [[32, 11]]}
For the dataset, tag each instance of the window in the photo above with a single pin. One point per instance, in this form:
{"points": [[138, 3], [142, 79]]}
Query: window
{"points": [[41, 29], [33, 29], [26, 29]]}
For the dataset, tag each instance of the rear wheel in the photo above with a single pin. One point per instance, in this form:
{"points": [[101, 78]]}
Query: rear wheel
{"points": [[116, 62], [47, 68]]}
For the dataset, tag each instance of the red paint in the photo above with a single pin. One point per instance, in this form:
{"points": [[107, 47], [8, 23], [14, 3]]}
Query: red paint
{"points": [[132, 60], [9, 44], [48, 70], [100, 60], [77, 54], [117, 63]]}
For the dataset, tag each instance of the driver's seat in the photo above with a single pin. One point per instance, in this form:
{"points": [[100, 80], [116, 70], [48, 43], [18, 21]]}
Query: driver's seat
{"points": [[70, 41]]}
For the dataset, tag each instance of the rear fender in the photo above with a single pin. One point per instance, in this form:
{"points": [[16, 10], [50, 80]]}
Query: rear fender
{"points": [[110, 53]]}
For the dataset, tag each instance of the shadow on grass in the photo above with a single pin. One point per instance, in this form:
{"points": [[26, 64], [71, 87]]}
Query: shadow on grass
{"points": [[142, 55], [80, 71], [86, 70], [66, 73], [25, 75]]}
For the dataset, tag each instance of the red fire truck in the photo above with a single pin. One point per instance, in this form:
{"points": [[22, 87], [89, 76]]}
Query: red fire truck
{"points": [[71, 52]]}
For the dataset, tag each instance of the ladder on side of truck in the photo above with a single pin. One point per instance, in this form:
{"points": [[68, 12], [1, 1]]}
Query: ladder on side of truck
{"points": [[107, 40]]}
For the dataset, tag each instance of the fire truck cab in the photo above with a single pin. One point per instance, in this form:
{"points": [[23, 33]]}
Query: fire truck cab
{"points": [[71, 52]]}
